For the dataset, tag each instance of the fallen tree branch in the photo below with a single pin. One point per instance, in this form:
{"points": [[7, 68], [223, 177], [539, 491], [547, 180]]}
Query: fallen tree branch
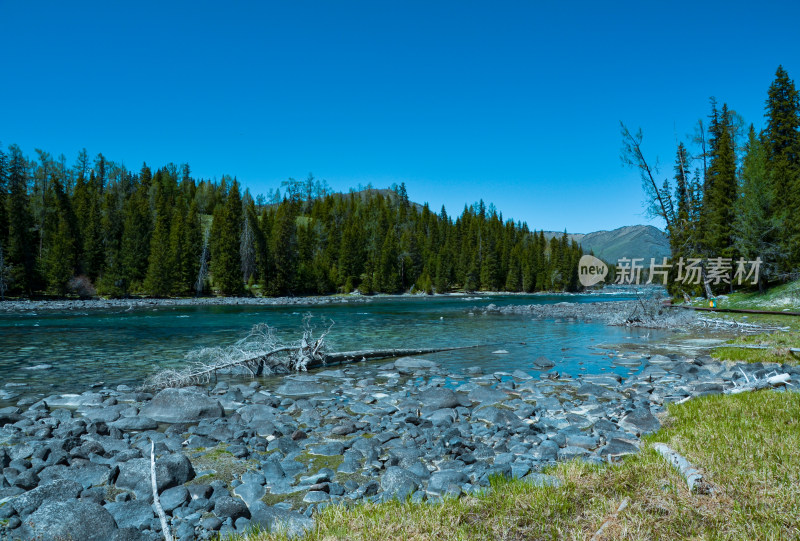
{"points": [[350, 356], [156, 502], [693, 477], [598, 534], [773, 380], [260, 353]]}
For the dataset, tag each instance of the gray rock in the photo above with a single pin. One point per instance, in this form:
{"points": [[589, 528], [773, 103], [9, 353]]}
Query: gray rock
{"points": [[27, 480], [299, 388], [496, 416], [327, 449], [58, 490], [185, 405], [230, 507], [276, 519], [399, 482], [618, 447], [87, 474], [439, 398], [316, 496], [140, 422], [174, 497], [543, 363], [171, 470], [131, 514], [440, 481], [640, 421], [408, 365], [57, 521], [250, 493]]}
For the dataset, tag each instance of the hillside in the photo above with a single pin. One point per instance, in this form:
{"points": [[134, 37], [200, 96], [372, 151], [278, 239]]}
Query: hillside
{"points": [[631, 241]]}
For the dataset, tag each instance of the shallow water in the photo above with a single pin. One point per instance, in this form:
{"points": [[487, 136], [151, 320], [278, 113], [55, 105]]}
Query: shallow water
{"points": [[118, 346]]}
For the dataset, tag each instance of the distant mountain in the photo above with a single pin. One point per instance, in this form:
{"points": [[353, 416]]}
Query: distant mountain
{"points": [[631, 241]]}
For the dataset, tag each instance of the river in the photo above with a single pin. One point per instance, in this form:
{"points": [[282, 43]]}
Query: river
{"points": [[52, 351]]}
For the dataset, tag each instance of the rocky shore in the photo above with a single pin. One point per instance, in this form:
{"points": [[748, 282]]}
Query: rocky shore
{"points": [[233, 456], [138, 303]]}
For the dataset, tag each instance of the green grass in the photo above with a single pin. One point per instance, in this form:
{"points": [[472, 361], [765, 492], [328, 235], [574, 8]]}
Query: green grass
{"points": [[747, 445], [777, 298], [225, 466], [778, 352]]}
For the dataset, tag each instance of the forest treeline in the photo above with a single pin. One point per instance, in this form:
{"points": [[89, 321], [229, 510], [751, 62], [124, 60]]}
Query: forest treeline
{"points": [[735, 192], [96, 227]]}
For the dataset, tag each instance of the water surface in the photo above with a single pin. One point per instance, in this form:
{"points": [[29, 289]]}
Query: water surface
{"points": [[115, 346]]}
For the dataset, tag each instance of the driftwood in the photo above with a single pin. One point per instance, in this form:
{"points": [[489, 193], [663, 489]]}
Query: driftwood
{"points": [[156, 502], [754, 384], [693, 477], [599, 533], [260, 353]]}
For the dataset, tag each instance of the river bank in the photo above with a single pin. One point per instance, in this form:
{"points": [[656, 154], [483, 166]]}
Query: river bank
{"points": [[27, 305], [233, 456]]}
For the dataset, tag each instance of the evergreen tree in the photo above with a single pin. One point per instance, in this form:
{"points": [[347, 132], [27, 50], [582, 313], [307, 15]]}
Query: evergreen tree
{"points": [[3, 197], [755, 225], [136, 233], [721, 190], [283, 248], [21, 237], [159, 281], [226, 230], [387, 275], [782, 141]]}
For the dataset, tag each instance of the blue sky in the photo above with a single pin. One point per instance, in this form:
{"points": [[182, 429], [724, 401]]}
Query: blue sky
{"points": [[517, 103]]}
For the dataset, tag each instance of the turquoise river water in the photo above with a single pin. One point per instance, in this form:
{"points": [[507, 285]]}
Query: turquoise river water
{"points": [[53, 351]]}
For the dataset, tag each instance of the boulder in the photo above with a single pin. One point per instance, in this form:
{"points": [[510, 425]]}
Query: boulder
{"points": [[409, 365], [234, 508], [640, 421], [131, 514], [543, 363], [174, 497], [186, 405], [54, 491], [56, 521], [277, 519], [171, 470], [439, 398], [441, 481], [140, 422], [399, 482]]}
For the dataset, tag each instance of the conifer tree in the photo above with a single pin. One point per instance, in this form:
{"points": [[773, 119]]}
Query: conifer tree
{"points": [[21, 237], [161, 262], [283, 249], [782, 141], [225, 242], [755, 226], [136, 233], [721, 190]]}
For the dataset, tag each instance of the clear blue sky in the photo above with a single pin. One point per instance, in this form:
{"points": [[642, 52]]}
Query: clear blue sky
{"points": [[517, 103]]}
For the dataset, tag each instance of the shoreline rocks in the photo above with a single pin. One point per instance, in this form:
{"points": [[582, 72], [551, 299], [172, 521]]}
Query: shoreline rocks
{"points": [[239, 455]]}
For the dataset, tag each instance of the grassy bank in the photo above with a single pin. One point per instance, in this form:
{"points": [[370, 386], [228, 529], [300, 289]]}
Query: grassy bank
{"points": [[776, 348], [777, 298], [747, 445]]}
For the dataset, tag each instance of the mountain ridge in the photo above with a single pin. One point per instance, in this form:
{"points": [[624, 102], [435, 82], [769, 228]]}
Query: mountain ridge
{"points": [[631, 241]]}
